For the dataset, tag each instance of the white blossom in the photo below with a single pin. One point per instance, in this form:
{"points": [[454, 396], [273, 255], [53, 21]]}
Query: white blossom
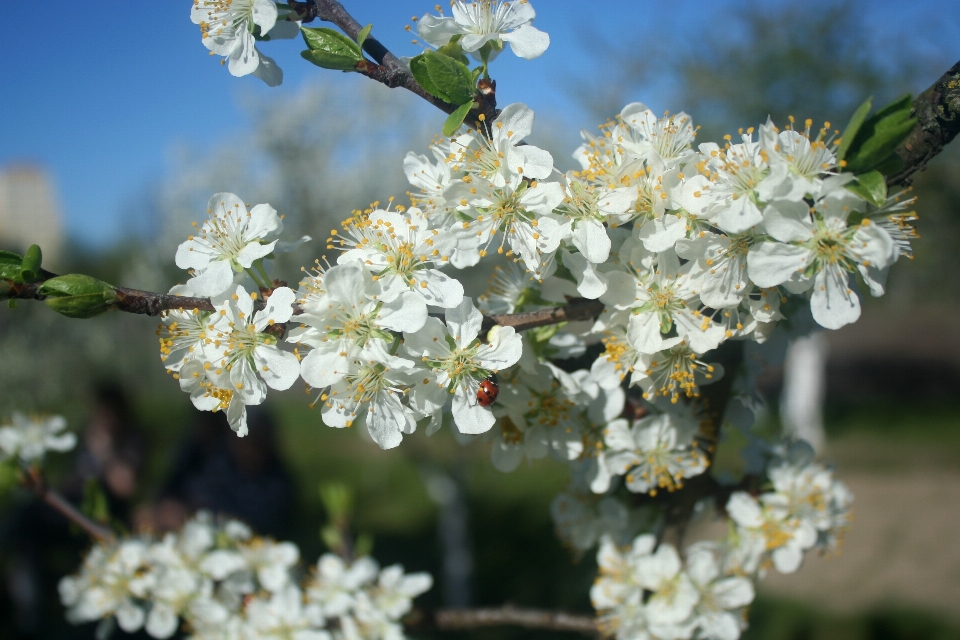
{"points": [[28, 438], [487, 21]]}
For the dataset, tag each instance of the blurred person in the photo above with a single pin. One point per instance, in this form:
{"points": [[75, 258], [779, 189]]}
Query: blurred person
{"points": [[219, 472]]}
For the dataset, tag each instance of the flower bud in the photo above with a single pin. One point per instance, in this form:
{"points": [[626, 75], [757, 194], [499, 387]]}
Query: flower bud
{"points": [[78, 296]]}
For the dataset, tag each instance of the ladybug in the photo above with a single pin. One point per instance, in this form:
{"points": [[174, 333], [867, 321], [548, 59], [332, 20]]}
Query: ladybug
{"points": [[488, 391]]}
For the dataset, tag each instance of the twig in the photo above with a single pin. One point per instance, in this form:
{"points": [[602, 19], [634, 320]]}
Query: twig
{"points": [[937, 111], [153, 304], [508, 615], [34, 481], [388, 69]]}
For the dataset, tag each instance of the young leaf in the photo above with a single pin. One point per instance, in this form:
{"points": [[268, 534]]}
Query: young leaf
{"points": [[451, 78], [330, 60], [876, 149], [455, 119], [872, 186], [853, 127], [30, 267], [893, 114], [10, 266], [362, 36], [418, 66], [331, 42]]}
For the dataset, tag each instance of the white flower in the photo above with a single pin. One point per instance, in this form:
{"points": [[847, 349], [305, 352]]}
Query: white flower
{"points": [[674, 594], [510, 289], [771, 528], [281, 617], [742, 177], [502, 157], [207, 396], [720, 264], [459, 362], [244, 357], [110, 583], [660, 295], [28, 438], [588, 207], [271, 562], [676, 371], [806, 161], [655, 140], [518, 213], [335, 584], [657, 452], [182, 333], [394, 592], [350, 314], [493, 21], [513, 441], [821, 250], [403, 252], [719, 612], [231, 240], [227, 28], [372, 394]]}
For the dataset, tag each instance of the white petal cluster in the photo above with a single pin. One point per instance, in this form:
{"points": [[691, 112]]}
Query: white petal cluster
{"points": [[231, 28], [215, 579], [490, 23], [27, 438], [806, 508], [645, 591], [362, 600]]}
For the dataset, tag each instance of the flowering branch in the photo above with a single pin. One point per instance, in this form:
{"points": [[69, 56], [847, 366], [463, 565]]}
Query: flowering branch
{"points": [[34, 481], [937, 111]]}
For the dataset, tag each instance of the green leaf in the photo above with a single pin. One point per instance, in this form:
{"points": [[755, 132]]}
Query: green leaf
{"points": [[30, 267], [362, 36], [872, 186], [78, 296], [877, 148], [418, 66], [10, 266], [853, 127], [453, 50], [94, 504], [455, 119], [893, 114], [451, 78], [330, 41], [330, 60]]}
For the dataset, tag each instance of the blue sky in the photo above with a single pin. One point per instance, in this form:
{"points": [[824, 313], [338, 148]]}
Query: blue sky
{"points": [[101, 97]]}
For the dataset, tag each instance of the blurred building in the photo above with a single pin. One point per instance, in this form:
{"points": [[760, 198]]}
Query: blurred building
{"points": [[30, 211]]}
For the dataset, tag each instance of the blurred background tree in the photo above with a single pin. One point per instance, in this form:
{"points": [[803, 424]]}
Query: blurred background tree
{"points": [[310, 157]]}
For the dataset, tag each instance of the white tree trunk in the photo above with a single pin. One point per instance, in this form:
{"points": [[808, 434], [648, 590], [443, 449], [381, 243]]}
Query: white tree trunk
{"points": [[804, 389]]}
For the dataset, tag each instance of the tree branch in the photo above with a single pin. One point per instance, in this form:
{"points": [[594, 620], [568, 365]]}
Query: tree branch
{"points": [[388, 70], [508, 615], [937, 111], [34, 481]]}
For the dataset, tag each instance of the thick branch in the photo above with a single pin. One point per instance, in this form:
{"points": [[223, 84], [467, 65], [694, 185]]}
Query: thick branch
{"points": [[937, 111], [456, 619], [34, 481]]}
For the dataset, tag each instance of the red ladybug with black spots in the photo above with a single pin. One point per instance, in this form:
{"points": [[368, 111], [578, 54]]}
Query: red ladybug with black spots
{"points": [[488, 391]]}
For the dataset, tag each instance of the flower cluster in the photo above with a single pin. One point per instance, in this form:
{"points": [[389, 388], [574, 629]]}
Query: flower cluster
{"points": [[684, 245], [26, 439], [649, 591], [646, 591], [226, 583]]}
